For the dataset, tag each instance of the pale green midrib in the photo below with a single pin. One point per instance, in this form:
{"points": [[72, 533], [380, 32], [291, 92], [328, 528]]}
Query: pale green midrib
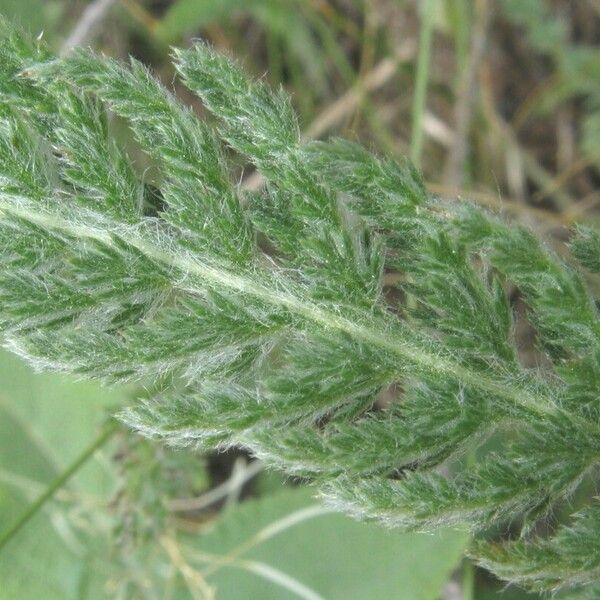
{"points": [[404, 348]]}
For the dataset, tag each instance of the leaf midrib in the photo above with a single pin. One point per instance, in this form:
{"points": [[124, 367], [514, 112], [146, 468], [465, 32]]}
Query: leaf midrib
{"points": [[399, 344]]}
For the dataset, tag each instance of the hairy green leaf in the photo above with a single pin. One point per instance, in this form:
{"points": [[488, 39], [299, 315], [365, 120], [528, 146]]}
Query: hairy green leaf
{"points": [[280, 321]]}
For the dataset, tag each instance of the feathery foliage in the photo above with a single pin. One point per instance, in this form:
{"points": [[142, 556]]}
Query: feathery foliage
{"points": [[266, 320]]}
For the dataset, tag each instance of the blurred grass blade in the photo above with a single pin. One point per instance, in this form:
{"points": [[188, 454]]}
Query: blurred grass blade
{"points": [[425, 36], [58, 483]]}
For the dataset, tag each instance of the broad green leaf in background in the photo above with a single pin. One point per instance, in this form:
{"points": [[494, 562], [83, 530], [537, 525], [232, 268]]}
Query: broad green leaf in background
{"points": [[282, 18], [288, 542], [186, 16], [36, 16], [46, 421]]}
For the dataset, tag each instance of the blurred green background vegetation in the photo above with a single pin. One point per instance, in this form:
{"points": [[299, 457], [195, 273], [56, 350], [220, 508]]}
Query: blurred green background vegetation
{"points": [[495, 100]]}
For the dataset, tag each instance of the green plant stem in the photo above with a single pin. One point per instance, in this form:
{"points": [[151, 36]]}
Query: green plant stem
{"points": [[468, 582], [425, 35], [468, 571], [33, 509]]}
